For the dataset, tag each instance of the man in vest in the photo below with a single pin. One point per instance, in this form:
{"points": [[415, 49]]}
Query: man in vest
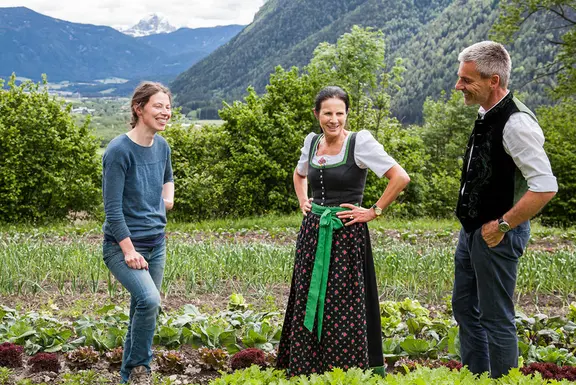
{"points": [[506, 180]]}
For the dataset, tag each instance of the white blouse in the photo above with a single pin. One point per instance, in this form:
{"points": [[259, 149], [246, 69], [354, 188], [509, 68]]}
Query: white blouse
{"points": [[368, 153]]}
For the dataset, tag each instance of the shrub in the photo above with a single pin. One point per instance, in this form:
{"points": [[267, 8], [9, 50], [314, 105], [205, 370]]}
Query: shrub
{"points": [[248, 357], [82, 358], [170, 362], [11, 355], [560, 131], [44, 362], [49, 166]]}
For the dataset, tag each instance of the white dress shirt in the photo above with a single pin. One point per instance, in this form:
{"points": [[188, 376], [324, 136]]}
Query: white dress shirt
{"points": [[523, 140]]}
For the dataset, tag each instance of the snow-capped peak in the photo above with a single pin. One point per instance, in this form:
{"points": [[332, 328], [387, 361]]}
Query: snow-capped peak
{"points": [[150, 25]]}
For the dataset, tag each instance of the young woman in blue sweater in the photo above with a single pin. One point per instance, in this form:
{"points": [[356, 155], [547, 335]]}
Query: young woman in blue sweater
{"points": [[138, 188]]}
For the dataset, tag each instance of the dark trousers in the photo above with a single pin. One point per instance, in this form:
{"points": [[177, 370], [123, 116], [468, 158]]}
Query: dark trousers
{"points": [[482, 299]]}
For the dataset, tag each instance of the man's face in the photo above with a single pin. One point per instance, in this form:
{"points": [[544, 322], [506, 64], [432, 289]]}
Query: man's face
{"points": [[476, 89]]}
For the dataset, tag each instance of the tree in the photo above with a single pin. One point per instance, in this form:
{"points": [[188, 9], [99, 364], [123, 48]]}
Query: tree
{"points": [[447, 126], [562, 27], [250, 160], [357, 63], [560, 131], [48, 165]]}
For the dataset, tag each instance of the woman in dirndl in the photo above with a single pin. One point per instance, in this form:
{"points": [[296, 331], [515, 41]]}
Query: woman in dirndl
{"points": [[333, 315]]}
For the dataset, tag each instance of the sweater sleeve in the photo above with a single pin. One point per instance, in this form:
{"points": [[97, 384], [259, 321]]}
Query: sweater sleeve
{"points": [[114, 167]]}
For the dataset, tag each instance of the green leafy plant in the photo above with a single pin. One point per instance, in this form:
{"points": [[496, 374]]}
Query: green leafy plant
{"points": [[262, 335], [24, 381], [237, 302], [5, 374], [104, 333], [84, 377], [554, 355], [572, 312]]}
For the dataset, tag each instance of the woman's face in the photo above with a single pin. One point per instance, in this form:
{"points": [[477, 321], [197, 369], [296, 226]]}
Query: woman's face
{"points": [[332, 117], [156, 112]]}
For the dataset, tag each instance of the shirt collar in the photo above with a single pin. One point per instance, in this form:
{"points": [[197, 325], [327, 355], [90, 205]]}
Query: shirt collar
{"points": [[482, 111]]}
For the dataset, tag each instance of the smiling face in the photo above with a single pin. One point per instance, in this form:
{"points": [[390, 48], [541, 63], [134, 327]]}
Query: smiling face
{"points": [[332, 117], [156, 113], [475, 88]]}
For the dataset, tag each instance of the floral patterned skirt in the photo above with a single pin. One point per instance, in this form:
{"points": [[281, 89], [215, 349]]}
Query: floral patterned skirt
{"points": [[351, 330]]}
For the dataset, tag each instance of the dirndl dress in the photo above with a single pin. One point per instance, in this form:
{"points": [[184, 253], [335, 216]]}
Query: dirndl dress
{"points": [[351, 334]]}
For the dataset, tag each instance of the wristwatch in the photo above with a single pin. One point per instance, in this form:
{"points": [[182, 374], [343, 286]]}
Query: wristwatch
{"points": [[377, 210], [503, 226]]}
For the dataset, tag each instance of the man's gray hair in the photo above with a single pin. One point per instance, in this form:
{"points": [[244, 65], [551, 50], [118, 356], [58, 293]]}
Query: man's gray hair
{"points": [[491, 58]]}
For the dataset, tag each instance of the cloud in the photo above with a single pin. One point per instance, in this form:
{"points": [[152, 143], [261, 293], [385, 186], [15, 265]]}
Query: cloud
{"points": [[125, 13]]}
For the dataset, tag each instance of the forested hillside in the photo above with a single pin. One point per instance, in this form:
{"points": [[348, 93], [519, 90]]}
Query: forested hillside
{"points": [[286, 33], [431, 57], [427, 34]]}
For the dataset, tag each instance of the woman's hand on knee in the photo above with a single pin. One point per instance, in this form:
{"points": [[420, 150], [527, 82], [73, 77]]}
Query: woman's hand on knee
{"points": [[135, 260]]}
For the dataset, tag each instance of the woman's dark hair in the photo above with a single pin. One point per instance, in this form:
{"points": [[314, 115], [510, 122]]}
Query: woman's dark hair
{"points": [[329, 93], [142, 95]]}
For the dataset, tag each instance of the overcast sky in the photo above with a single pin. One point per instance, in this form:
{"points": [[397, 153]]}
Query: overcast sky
{"points": [[126, 13]]}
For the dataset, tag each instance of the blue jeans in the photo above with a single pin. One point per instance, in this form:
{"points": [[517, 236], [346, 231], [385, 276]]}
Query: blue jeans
{"points": [[144, 287], [482, 299]]}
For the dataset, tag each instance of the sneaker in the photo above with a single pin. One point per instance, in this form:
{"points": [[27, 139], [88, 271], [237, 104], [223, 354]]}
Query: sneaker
{"points": [[140, 376]]}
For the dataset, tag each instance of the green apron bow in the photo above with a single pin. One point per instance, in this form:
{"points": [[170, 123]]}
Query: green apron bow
{"points": [[319, 281]]}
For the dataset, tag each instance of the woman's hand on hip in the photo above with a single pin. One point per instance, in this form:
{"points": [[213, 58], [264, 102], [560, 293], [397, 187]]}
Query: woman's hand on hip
{"points": [[355, 214], [135, 260], [306, 206]]}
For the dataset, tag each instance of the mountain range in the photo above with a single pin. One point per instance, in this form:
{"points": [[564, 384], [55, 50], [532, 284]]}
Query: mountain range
{"points": [[209, 65], [33, 44], [426, 34], [151, 25]]}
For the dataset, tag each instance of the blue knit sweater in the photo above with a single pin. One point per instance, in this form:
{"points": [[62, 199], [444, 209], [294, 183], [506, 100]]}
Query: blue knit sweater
{"points": [[132, 180]]}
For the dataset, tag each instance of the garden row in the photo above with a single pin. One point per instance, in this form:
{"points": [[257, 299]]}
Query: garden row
{"points": [[412, 337], [403, 270]]}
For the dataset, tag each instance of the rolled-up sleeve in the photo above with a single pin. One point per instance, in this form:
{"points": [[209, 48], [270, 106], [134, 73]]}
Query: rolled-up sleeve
{"points": [[523, 140]]}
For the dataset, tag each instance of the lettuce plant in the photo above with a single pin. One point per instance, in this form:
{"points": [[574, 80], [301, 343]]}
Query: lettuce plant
{"points": [[82, 358], [248, 357], [213, 359], [11, 355], [170, 361], [44, 362]]}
